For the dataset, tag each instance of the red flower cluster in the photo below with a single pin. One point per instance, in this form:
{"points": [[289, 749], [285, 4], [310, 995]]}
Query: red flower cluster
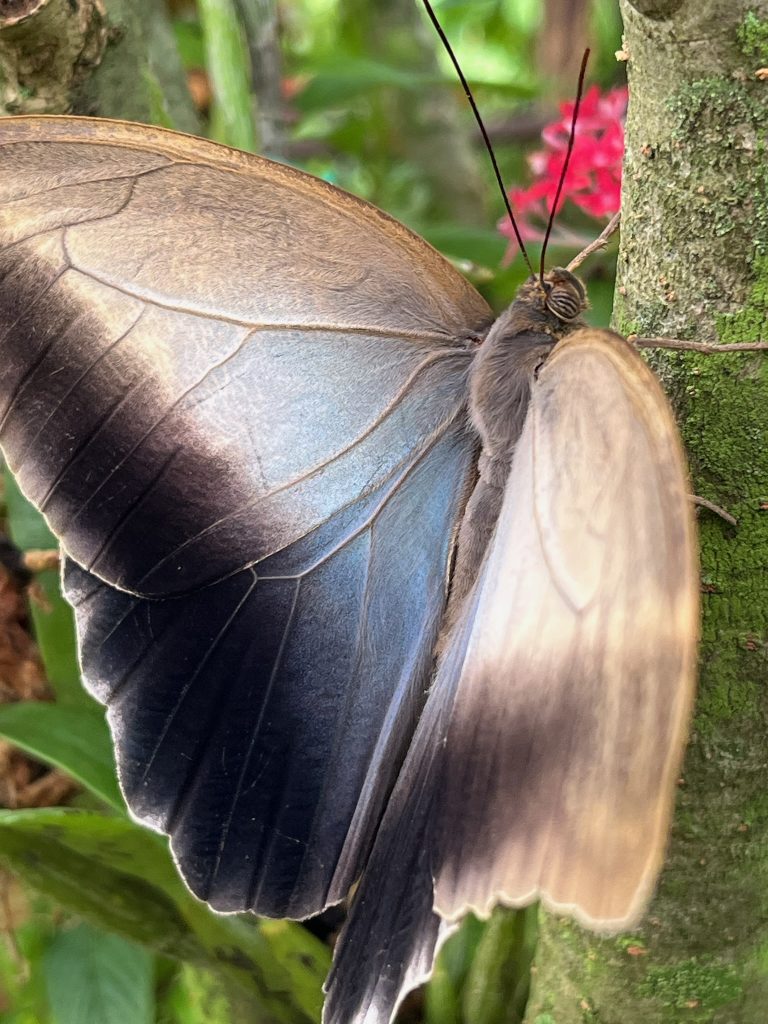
{"points": [[593, 181]]}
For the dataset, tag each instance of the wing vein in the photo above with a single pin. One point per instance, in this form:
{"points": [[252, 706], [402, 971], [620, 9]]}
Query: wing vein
{"points": [[30, 444], [80, 448], [125, 677], [135, 175], [40, 356], [308, 474], [435, 337], [132, 510], [146, 435], [410, 467], [254, 736], [212, 647], [351, 690]]}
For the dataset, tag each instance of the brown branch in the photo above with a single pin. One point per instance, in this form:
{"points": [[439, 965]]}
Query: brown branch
{"points": [[14, 11], [262, 31], [599, 243], [717, 509], [677, 345], [48, 49]]}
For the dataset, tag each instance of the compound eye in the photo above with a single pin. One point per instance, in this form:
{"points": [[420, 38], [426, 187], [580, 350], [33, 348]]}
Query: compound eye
{"points": [[564, 303]]}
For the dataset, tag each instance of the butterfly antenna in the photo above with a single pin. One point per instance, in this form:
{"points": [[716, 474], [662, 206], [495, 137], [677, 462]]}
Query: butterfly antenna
{"points": [[564, 171], [483, 132]]}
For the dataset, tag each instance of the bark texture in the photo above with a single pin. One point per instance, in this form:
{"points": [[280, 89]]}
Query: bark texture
{"points": [[114, 58], [694, 264], [47, 48]]}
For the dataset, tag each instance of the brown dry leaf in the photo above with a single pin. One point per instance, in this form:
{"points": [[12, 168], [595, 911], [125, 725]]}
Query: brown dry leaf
{"points": [[22, 676]]}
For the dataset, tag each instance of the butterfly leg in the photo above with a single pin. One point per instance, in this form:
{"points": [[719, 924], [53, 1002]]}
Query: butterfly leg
{"points": [[474, 537]]}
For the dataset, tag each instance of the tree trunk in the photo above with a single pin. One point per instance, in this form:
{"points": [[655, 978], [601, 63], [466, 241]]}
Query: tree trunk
{"points": [[115, 58], [694, 264]]}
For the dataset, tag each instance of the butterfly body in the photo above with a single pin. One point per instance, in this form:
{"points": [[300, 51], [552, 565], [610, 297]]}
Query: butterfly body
{"points": [[501, 377], [301, 479]]}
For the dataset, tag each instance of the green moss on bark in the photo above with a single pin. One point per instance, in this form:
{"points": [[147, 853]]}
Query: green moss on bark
{"points": [[753, 37], [694, 986], [47, 53], [140, 77]]}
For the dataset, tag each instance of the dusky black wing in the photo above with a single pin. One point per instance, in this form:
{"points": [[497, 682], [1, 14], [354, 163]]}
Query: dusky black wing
{"points": [[237, 395], [392, 933], [258, 720]]}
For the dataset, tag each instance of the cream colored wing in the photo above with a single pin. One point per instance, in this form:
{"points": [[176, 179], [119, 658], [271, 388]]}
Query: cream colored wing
{"points": [[572, 704]]}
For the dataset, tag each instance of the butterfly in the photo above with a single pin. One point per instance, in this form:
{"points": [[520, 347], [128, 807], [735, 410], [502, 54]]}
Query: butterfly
{"points": [[373, 584]]}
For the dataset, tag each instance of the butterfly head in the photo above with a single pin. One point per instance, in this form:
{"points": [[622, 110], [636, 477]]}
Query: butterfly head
{"points": [[551, 304], [563, 295]]}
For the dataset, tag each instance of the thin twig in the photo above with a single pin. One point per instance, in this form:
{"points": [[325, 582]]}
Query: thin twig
{"points": [[8, 926], [599, 243], [717, 509], [676, 344]]}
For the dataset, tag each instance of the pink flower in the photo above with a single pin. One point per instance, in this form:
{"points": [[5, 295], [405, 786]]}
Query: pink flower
{"points": [[593, 180]]}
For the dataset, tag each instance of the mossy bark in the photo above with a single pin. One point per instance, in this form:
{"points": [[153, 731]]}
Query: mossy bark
{"points": [[114, 58], [694, 264]]}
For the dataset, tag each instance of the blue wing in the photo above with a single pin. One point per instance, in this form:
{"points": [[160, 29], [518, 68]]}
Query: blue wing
{"points": [[250, 439]]}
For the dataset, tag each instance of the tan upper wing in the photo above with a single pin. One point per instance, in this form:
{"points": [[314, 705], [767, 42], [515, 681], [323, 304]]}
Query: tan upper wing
{"points": [[194, 225], [153, 287], [572, 703]]}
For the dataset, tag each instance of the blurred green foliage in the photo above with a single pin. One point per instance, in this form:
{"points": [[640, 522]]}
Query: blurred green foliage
{"points": [[99, 927]]}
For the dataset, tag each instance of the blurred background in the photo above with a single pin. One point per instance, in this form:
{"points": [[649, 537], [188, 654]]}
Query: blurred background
{"points": [[96, 927], [361, 93]]}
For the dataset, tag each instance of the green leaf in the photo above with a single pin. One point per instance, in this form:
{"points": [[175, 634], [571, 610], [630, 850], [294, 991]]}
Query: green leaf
{"points": [[94, 977], [76, 740], [442, 997], [189, 39], [194, 997], [122, 877], [484, 246], [66, 855], [343, 78], [159, 112], [28, 528], [53, 619], [498, 983], [442, 1000], [601, 301], [25, 998], [346, 77]]}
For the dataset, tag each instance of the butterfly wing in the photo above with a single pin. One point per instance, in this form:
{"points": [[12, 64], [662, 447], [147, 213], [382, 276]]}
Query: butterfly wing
{"points": [[570, 716], [237, 395], [391, 936], [545, 762]]}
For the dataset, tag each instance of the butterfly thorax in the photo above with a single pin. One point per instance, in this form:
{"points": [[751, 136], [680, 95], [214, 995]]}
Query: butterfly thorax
{"points": [[506, 364], [501, 378]]}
